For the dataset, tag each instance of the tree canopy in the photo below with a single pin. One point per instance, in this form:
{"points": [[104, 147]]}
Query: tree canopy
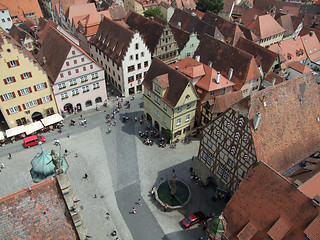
{"points": [[214, 6], [152, 12]]}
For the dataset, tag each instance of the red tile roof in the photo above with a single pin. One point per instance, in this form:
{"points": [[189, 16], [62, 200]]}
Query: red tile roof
{"points": [[37, 214], [301, 68], [286, 132], [313, 230], [312, 46], [271, 204]]}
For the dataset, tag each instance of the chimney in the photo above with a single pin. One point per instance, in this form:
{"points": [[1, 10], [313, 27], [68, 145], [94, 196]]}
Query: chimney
{"points": [[256, 121], [193, 14], [230, 73], [198, 58], [210, 64], [255, 17], [179, 25], [44, 60], [102, 17], [311, 33], [273, 81], [218, 77], [240, 20], [177, 67]]}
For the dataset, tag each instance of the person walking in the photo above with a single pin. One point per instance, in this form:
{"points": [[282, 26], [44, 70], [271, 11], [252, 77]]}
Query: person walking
{"points": [[9, 156], [85, 176], [139, 202], [166, 208], [134, 210]]}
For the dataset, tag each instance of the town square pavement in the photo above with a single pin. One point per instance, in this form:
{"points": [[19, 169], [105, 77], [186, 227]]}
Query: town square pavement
{"points": [[121, 170]]}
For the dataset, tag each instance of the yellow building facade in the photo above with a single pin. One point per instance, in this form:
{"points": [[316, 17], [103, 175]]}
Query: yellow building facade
{"points": [[25, 91]]}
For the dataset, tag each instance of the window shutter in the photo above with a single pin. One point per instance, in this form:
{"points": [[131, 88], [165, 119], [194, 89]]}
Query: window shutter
{"points": [[19, 92], [5, 81], [45, 85], [18, 64], [9, 65], [35, 88], [8, 112], [21, 75], [14, 79], [24, 106], [14, 95], [39, 101], [1, 97], [19, 107], [30, 89], [30, 74], [50, 97]]}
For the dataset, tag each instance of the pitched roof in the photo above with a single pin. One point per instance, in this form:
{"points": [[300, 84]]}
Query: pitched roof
{"points": [[177, 81], [280, 6], [225, 101], [311, 187], [113, 39], [306, 30], [65, 4], [313, 230], [301, 68], [80, 10], [272, 208], [289, 112], [185, 4], [150, 30], [17, 33], [181, 37], [289, 23], [312, 46], [224, 56], [39, 214], [43, 27], [22, 7], [264, 26], [250, 15], [264, 55]]}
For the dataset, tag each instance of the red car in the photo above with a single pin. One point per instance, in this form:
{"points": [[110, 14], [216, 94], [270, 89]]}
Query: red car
{"points": [[192, 219]]}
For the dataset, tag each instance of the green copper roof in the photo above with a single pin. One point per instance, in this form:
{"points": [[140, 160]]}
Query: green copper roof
{"points": [[216, 227], [43, 167]]}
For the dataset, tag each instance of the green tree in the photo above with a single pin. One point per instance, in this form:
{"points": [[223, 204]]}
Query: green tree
{"points": [[214, 6], [152, 12], [167, 134]]}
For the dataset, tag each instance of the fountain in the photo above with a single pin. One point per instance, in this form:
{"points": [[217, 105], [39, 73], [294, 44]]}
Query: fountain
{"points": [[174, 193]]}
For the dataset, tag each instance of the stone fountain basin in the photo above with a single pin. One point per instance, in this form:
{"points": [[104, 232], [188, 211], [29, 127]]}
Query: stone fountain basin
{"points": [[179, 200]]}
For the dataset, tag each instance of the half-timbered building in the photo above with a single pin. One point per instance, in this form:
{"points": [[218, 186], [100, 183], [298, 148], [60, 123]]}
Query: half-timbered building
{"points": [[276, 125]]}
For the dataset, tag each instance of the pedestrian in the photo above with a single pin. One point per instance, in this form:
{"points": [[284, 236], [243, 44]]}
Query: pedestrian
{"points": [[9, 156], [2, 166], [115, 122], [76, 155], [165, 208], [134, 210], [80, 116], [66, 151], [85, 176], [95, 196], [140, 121], [139, 202]]}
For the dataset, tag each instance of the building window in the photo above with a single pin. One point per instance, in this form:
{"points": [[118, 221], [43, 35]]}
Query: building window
{"points": [[187, 117], [157, 99], [139, 65], [91, 66], [149, 105], [223, 91], [146, 64], [165, 107], [21, 121], [77, 70], [156, 112], [209, 159], [13, 110], [9, 80], [61, 75], [220, 170], [212, 93], [137, 46], [96, 85], [138, 76], [69, 73], [131, 57], [188, 105], [187, 129], [73, 82], [226, 174], [24, 91], [142, 54], [246, 157], [61, 85], [84, 69], [64, 95], [178, 121], [30, 104], [82, 59], [179, 109], [204, 155], [164, 119], [73, 52], [75, 61], [209, 144], [230, 163], [85, 89], [130, 79], [13, 63], [94, 76], [46, 99], [7, 96], [26, 75], [84, 79], [40, 86], [74, 92], [137, 56], [67, 63], [131, 68]]}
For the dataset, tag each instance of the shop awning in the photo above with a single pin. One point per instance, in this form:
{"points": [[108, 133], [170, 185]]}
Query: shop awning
{"points": [[15, 131], [35, 126], [2, 135], [51, 119]]}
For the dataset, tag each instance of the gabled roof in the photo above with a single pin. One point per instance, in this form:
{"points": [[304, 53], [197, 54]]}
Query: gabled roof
{"points": [[265, 56], [249, 15], [181, 37], [299, 67], [286, 132], [113, 39], [306, 30], [17, 33], [225, 101], [65, 4], [264, 26], [275, 208], [150, 30], [43, 27], [280, 6], [289, 23], [313, 230], [177, 81], [185, 4], [224, 56], [80, 10], [37, 214], [312, 46]]}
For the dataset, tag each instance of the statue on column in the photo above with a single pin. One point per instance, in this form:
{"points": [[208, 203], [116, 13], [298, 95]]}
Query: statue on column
{"points": [[56, 162]]}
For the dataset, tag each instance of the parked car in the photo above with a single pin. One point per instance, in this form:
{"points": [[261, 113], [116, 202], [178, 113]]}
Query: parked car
{"points": [[192, 219], [33, 140]]}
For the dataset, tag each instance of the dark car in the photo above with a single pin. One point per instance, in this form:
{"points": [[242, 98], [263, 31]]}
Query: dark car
{"points": [[192, 219]]}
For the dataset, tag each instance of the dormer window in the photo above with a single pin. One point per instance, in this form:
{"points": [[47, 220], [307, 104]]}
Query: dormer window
{"points": [[187, 97], [157, 88]]}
